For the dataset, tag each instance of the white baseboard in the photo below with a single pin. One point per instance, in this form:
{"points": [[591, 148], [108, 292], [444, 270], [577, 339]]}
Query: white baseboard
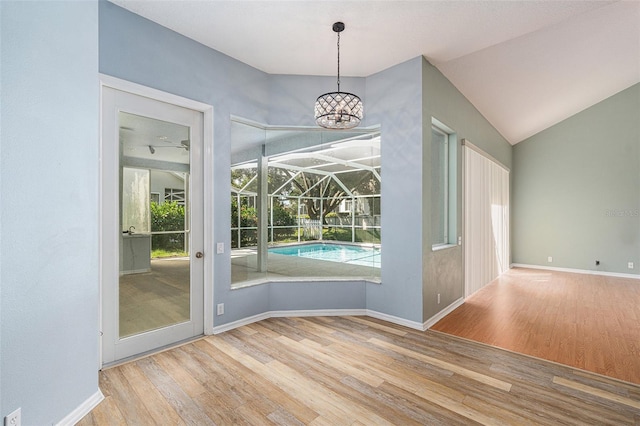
{"points": [[82, 410], [284, 314], [443, 313], [576, 271], [241, 322], [395, 320], [318, 313]]}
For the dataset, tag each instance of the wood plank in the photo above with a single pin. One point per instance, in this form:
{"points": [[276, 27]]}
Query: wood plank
{"points": [[337, 371], [584, 321], [184, 405], [482, 378], [159, 409], [597, 392]]}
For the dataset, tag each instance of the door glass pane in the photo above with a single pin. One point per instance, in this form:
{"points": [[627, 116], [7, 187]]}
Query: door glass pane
{"points": [[155, 284]]}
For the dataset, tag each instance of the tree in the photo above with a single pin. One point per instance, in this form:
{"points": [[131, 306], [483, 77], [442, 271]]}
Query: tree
{"points": [[322, 187]]}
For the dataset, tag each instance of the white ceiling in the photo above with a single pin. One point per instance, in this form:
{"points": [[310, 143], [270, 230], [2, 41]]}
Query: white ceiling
{"points": [[525, 65]]}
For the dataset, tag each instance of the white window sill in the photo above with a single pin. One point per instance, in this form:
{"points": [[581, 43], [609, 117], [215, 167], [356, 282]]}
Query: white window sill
{"points": [[443, 247]]}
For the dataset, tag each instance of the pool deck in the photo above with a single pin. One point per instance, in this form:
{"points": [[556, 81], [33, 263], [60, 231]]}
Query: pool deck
{"points": [[286, 268]]}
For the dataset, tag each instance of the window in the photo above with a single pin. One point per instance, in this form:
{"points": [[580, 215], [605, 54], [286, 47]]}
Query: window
{"points": [[443, 186], [305, 204]]}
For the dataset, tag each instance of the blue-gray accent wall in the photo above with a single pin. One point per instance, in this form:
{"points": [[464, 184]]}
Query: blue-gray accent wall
{"points": [[51, 55], [394, 98], [401, 100], [136, 49], [49, 295]]}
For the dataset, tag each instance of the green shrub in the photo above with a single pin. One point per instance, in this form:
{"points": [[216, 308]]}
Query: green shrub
{"points": [[168, 216]]}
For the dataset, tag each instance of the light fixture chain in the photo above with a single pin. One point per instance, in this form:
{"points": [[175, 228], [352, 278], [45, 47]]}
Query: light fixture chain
{"points": [[338, 62]]}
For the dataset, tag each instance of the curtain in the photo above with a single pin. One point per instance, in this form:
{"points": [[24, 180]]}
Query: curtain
{"points": [[486, 198]]}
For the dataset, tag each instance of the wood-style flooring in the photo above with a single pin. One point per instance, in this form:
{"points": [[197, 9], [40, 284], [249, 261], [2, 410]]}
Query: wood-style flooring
{"points": [[155, 299], [589, 322], [353, 371]]}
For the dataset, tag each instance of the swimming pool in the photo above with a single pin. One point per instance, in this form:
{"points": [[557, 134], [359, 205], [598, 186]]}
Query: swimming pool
{"points": [[343, 253]]}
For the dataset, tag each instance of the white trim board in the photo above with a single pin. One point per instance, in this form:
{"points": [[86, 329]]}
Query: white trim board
{"points": [[82, 410], [443, 313], [149, 92], [395, 320], [318, 313], [467, 143], [577, 271], [208, 190]]}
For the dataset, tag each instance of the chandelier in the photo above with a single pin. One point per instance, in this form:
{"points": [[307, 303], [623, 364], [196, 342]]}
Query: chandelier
{"points": [[338, 110]]}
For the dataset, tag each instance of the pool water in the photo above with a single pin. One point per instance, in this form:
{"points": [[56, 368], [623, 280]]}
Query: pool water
{"points": [[355, 255]]}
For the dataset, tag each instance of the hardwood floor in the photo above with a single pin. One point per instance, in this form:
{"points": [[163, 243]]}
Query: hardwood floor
{"points": [[155, 299], [589, 322], [353, 371]]}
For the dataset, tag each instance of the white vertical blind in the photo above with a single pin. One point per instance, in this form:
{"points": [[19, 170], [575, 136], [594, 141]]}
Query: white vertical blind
{"points": [[486, 198]]}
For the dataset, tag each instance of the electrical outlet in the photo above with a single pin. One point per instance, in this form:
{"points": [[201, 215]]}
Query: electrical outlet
{"points": [[438, 298], [220, 308], [13, 419], [597, 263], [630, 265], [549, 259]]}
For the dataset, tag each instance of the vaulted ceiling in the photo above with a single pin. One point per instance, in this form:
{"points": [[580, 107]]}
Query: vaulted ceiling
{"points": [[525, 65]]}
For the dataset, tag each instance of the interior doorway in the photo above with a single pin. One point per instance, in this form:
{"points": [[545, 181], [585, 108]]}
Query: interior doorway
{"points": [[153, 244]]}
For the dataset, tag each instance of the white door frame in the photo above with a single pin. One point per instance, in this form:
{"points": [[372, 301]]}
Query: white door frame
{"points": [[207, 150]]}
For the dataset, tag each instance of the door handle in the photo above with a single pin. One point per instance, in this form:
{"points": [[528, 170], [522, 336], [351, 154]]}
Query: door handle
{"points": [[199, 255]]}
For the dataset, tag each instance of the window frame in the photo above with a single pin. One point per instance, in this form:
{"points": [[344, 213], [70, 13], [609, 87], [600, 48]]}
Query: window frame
{"points": [[449, 167]]}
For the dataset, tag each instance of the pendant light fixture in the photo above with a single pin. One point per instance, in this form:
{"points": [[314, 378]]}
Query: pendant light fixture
{"points": [[338, 110]]}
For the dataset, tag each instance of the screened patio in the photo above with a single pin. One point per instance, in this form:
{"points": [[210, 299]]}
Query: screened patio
{"points": [[321, 194]]}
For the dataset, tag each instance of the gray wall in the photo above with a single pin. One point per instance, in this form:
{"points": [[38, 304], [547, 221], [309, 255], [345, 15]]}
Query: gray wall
{"points": [[394, 98], [49, 249], [577, 190], [443, 271]]}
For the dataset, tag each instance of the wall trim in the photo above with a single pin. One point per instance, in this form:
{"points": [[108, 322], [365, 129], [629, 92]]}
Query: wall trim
{"points": [[318, 313], [82, 410], [443, 313], [395, 320], [577, 271], [239, 323], [468, 144]]}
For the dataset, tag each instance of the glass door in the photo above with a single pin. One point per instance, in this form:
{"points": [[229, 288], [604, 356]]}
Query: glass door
{"points": [[152, 225]]}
